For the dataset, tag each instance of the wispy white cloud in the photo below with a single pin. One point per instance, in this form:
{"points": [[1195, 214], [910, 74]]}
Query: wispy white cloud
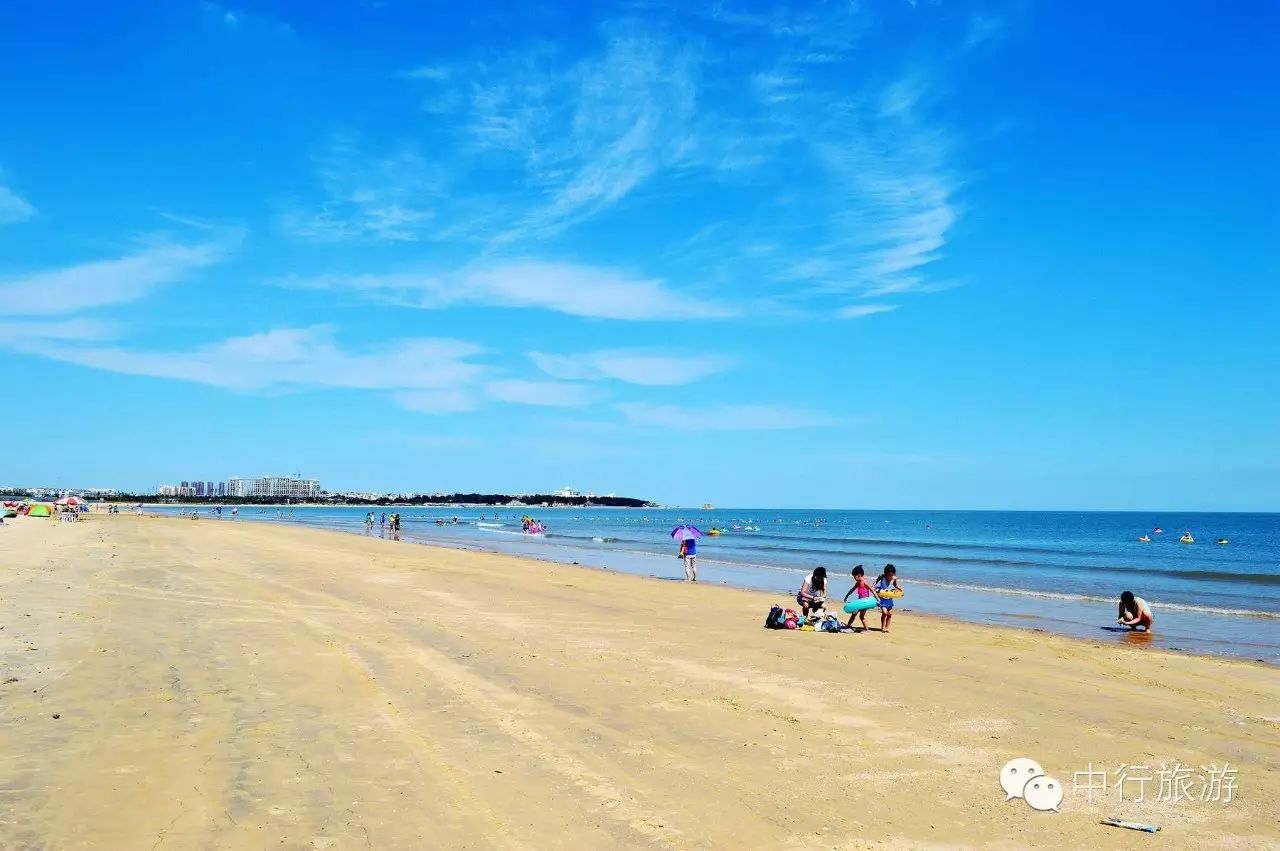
{"points": [[437, 401], [425, 375], [561, 287], [388, 197], [105, 282], [877, 207], [13, 207], [60, 330], [723, 417], [819, 31], [631, 367], [852, 189], [857, 311], [777, 86], [425, 72], [903, 208], [551, 394], [257, 19], [288, 359], [583, 134], [984, 27]]}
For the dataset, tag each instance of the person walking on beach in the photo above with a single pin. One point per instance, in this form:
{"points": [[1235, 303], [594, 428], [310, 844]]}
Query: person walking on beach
{"points": [[689, 552], [382, 525], [887, 581], [1135, 612], [813, 592], [368, 523]]}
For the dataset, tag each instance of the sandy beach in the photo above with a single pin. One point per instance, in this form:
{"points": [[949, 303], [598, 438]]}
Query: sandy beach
{"points": [[201, 684]]}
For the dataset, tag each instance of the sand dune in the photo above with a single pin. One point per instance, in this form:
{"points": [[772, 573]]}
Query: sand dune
{"points": [[237, 685]]}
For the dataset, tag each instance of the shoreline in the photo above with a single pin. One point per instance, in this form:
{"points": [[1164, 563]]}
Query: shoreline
{"points": [[1074, 616], [1131, 641], [262, 684]]}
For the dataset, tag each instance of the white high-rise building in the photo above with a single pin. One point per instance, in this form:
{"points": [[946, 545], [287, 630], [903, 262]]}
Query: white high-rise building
{"points": [[288, 487]]}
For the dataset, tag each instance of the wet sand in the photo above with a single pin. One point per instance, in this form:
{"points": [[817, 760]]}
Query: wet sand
{"points": [[235, 685]]}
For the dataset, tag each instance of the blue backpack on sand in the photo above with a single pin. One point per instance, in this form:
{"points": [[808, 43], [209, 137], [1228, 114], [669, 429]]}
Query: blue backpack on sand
{"points": [[775, 618]]}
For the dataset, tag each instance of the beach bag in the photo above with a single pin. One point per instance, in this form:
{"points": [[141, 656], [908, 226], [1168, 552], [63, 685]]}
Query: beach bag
{"points": [[775, 618], [790, 623]]}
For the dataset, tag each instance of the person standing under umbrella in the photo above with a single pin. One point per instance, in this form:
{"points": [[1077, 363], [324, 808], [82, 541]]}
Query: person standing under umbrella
{"points": [[688, 536], [689, 552]]}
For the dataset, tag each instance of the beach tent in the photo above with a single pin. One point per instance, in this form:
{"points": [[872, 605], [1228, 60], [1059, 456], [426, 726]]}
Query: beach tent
{"points": [[40, 509]]}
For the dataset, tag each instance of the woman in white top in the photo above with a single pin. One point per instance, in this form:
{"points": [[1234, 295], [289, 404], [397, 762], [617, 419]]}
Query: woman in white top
{"points": [[813, 591]]}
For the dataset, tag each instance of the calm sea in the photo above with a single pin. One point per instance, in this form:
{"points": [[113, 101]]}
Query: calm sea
{"points": [[1057, 571]]}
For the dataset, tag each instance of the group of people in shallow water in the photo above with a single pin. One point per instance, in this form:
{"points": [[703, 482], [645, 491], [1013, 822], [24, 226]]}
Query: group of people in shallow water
{"points": [[391, 521], [812, 595]]}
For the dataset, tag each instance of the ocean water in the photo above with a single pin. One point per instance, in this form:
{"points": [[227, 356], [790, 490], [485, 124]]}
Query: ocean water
{"points": [[1055, 571]]}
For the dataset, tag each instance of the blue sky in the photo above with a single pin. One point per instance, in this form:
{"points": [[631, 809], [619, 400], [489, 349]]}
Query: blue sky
{"points": [[878, 254]]}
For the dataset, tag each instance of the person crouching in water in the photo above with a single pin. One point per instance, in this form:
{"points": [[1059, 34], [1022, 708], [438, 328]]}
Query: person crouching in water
{"points": [[887, 581], [813, 591], [862, 588], [1135, 612]]}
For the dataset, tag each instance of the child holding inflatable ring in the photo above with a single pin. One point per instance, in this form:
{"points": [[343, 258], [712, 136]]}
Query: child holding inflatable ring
{"points": [[887, 582], [862, 588]]}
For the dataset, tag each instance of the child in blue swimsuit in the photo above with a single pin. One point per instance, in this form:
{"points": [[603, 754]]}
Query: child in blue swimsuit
{"points": [[887, 581]]}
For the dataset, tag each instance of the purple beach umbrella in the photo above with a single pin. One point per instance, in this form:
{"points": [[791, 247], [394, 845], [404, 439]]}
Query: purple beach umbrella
{"points": [[685, 532]]}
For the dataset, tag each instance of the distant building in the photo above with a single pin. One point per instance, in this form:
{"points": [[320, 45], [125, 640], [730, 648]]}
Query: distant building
{"points": [[199, 488], [100, 492], [208, 488], [274, 487], [567, 493], [183, 489], [222, 488], [186, 484]]}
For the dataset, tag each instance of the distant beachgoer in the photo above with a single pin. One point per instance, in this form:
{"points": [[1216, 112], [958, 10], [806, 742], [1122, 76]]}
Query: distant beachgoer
{"points": [[368, 523], [235, 512], [862, 588], [382, 524], [1135, 612], [813, 591], [689, 552], [887, 581]]}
